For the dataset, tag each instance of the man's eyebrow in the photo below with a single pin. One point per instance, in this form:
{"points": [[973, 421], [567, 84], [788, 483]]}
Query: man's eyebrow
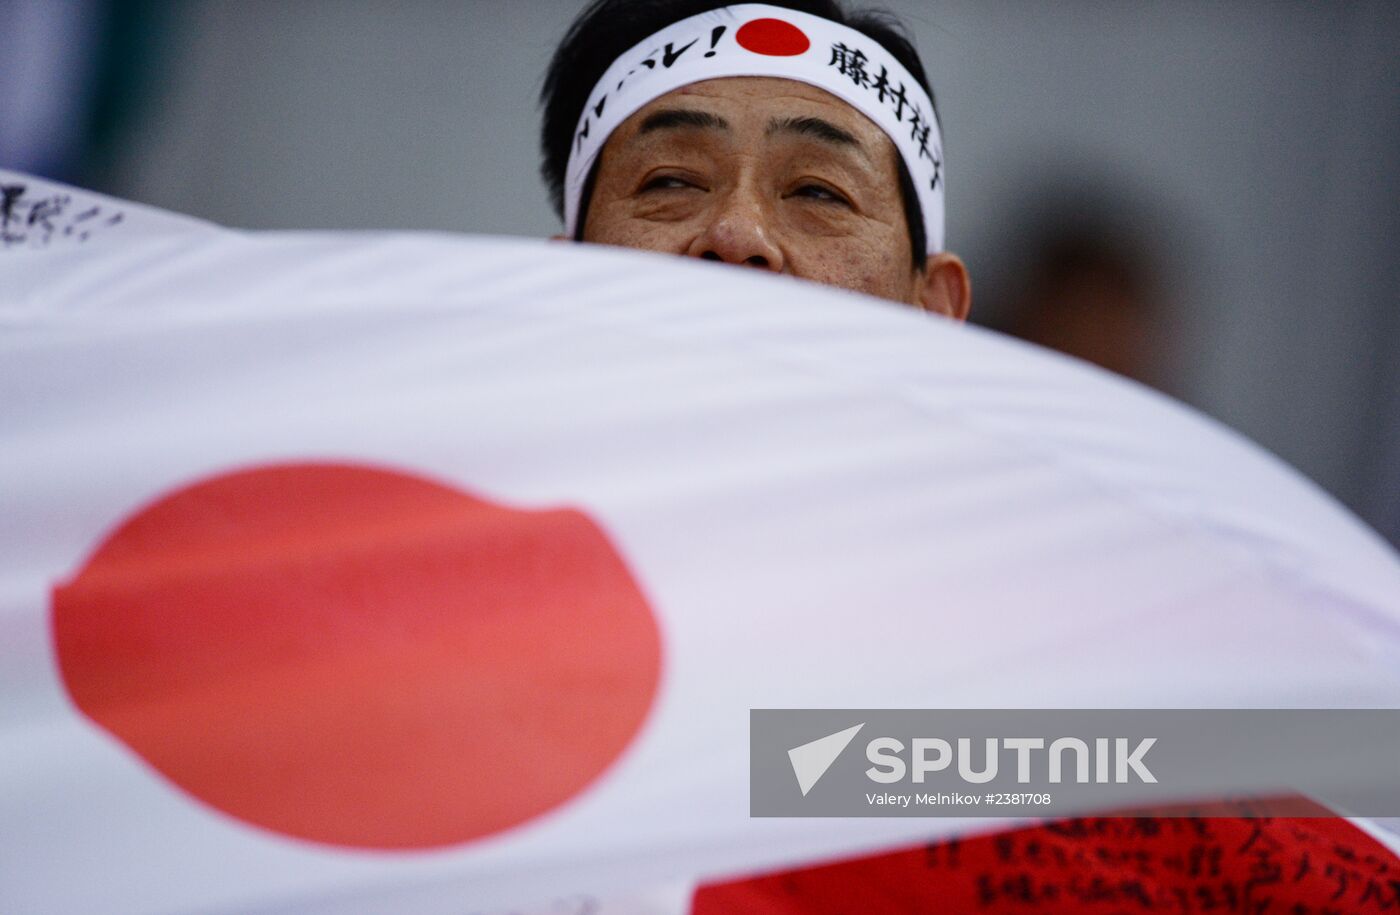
{"points": [[817, 128], [667, 118]]}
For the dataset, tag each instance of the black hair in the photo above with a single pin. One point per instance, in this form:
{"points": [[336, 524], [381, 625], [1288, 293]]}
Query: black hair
{"points": [[607, 28]]}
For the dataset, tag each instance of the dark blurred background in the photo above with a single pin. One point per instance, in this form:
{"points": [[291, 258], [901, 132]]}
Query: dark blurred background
{"points": [[1204, 196]]}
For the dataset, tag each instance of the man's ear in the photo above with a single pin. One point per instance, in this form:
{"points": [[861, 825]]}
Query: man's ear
{"points": [[944, 286]]}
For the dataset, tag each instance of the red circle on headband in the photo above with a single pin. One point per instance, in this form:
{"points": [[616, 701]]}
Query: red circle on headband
{"points": [[772, 37], [360, 656]]}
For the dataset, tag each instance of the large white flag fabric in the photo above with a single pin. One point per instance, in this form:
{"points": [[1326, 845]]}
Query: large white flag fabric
{"points": [[422, 573]]}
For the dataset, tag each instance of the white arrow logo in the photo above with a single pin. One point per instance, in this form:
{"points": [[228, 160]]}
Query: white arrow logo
{"points": [[811, 760]]}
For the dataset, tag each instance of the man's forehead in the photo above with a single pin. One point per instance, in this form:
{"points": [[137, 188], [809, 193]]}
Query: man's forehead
{"points": [[755, 101]]}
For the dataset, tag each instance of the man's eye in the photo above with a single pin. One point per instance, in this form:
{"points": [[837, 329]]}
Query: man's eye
{"points": [[666, 182], [820, 193]]}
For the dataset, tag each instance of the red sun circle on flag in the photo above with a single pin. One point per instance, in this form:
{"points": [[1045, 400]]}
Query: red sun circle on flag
{"points": [[772, 37], [360, 656]]}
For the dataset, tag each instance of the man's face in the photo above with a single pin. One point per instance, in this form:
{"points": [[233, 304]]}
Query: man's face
{"points": [[771, 173]]}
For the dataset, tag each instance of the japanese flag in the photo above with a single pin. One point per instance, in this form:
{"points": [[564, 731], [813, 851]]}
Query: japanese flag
{"points": [[421, 573]]}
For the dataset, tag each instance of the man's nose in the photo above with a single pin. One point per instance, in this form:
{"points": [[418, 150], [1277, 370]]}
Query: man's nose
{"points": [[739, 232]]}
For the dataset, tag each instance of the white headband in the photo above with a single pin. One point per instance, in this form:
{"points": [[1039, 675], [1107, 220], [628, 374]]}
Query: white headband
{"points": [[754, 39]]}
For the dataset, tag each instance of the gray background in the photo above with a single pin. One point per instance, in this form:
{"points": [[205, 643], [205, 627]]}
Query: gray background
{"points": [[1254, 144]]}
